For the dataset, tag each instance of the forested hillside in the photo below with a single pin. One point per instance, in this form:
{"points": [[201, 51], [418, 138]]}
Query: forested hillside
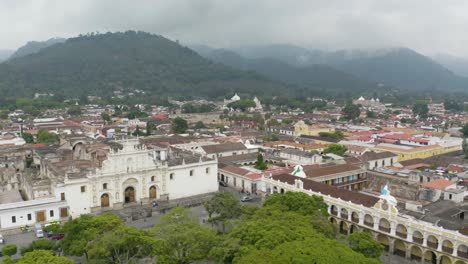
{"points": [[101, 64]]}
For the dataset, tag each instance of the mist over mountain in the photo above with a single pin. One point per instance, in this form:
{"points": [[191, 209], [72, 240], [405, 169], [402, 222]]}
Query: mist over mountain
{"points": [[400, 67], [5, 54], [457, 65], [35, 46], [317, 77]]}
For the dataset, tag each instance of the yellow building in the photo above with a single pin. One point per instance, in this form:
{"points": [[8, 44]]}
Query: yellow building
{"points": [[409, 153], [301, 128]]}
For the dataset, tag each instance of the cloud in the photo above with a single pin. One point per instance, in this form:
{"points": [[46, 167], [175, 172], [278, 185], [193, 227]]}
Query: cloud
{"points": [[425, 25]]}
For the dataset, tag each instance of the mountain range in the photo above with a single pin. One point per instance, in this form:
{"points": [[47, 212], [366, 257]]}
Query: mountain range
{"points": [[98, 64]]}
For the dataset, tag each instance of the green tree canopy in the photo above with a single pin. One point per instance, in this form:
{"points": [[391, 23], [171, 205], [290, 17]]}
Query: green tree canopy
{"points": [[43, 256], [363, 242], [224, 206], [28, 138], [421, 109], [336, 149], [464, 130], [9, 250], [298, 202], [44, 136], [74, 110], [179, 125], [351, 111], [260, 164], [242, 105]]}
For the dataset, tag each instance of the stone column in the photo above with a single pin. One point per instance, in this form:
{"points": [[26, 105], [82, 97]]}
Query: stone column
{"points": [[391, 245], [409, 234], [408, 251], [439, 244], [338, 214], [361, 219], [424, 244], [392, 228], [376, 224]]}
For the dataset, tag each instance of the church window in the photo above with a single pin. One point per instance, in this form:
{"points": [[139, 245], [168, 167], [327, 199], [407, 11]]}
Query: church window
{"points": [[171, 176], [152, 178], [83, 189], [207, 170], [104, 186], [191, 172], [13, 219]]}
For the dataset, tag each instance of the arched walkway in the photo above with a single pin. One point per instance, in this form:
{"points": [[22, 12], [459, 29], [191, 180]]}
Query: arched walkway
{"points": [[445, 260], [152, 192], [418, 237], [129, 195], [399, 248], [369, 220], [432, 242], [344, 213], [430, 257], [384, 225], [333, 221], [416, 253], [383, 239], [462, 251], [447, 246], [355, 217], [333, 210], [343, 227], [105, 200], [401, 231], [353, 228]]}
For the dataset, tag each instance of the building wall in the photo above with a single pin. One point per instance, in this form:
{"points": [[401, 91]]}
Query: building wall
{"points": [[183, 185]]}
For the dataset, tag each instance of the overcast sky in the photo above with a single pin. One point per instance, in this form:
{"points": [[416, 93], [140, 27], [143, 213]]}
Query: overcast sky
{"points": [[425, 25]]}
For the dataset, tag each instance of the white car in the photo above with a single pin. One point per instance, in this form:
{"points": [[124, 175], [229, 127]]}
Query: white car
{"points": [[2, 240]]}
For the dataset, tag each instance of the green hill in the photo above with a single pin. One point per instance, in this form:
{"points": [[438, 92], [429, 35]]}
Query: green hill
{"points": [[100, 64], [35, 46]]}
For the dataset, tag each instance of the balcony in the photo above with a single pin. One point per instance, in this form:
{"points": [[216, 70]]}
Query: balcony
{"points": [[418, 240], [432, 244], [447, 250], [341, 184], [401, 234], [385, 229]]}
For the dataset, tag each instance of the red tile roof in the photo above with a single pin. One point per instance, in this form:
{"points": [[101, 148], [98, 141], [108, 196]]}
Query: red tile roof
{"points": [[439, 184]]}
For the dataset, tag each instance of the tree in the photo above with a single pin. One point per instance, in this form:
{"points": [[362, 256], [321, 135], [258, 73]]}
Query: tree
{"points": [[370, 114], [187, 241], [43, 256], [363, 242], [9, 250], [335, 135], [106, 117], [150, 127], [84, 229], [28, 138], [44, 136], [74, 110], [336, 149], [421, 109], [351, 111], [179, 125], [465, 147], [298, 202], [199, 125], [243, 104], [464, 130], [260, 163], [223, 207], [41, 244], [123, 245]]}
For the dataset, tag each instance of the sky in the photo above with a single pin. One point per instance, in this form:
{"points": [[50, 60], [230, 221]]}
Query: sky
{"points": [[427, 26]]}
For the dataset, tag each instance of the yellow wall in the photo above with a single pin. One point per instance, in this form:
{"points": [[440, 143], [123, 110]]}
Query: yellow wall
{"points": [[301, 128]]}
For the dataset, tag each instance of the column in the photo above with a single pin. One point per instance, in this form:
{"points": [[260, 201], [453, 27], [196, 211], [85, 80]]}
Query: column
{"points": [[409, 234], [338, 214], [376, 224], [350, 213], [424, 240], [439, 244], [392, 228], [455, 250], [391, 245], [361, 219], [408, 251]]}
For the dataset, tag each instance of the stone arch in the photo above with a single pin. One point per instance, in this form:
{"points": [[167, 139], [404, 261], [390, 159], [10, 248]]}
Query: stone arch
{"points": [[152, 192], [344, 227], [353, 229], [432, 242], [384, 225], [369, 220], [399, 248], [384, 240], [333, 220], [418, 237], [430, 256], [129, 195], [333, 210], [447, 246], [344, 213], [401, 231], [445, 259], [105, 200], [416, 253], [355, 217], [462, 251]]}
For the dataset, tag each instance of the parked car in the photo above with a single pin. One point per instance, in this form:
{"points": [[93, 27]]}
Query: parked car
{"points": [[57, 236], [2, 240], [246, 199], [223, 184]]}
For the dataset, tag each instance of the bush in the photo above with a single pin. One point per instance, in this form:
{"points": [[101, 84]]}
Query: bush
{"points": [[9, 250], [43, 244]]}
